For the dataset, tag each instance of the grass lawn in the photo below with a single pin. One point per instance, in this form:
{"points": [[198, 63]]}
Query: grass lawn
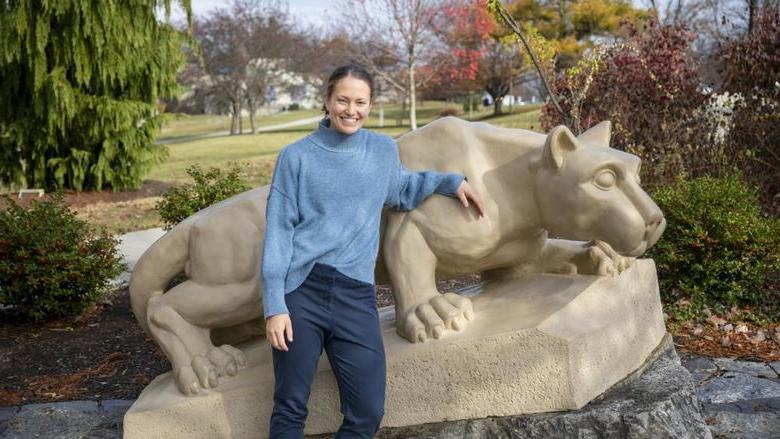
{"points": [[256, 150], [122, 216]]}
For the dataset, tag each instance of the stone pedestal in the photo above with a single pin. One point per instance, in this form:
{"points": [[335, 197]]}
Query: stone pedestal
{"points": [[544, 343], [658, 403]]}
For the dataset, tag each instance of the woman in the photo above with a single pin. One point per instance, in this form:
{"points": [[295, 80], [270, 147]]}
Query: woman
{"points": [[321, 243]]}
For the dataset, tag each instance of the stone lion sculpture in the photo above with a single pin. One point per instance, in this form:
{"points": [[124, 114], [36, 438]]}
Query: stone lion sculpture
{"points": [[576, 189]]}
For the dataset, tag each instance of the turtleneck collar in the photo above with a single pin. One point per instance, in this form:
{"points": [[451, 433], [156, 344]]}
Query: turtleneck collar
{"points": [[332, 140]]}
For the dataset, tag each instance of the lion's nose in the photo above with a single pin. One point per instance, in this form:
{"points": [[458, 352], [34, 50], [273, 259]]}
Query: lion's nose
{"points": [[655, 228]]}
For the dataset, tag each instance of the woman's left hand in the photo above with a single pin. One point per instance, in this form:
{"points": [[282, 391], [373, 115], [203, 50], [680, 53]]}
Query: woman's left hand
{"points": [[465, 193]]}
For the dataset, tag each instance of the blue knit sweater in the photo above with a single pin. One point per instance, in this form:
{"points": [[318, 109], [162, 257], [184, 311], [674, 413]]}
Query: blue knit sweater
{"points": [[325, 205]]}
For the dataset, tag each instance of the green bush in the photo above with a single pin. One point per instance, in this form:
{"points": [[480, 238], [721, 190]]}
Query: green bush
{"points": [[717, 249], [209, 187], [52, 263]]}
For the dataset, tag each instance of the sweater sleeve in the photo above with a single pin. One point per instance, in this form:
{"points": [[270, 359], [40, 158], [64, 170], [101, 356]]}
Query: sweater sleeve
{"points": [[408, 189], [281, 216]]}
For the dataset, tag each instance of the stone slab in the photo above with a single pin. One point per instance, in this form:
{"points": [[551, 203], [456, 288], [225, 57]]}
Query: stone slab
{"points": [[735, 425], [537, 344], [62, 420], [754, 368], [700, 368], [736, 386]]}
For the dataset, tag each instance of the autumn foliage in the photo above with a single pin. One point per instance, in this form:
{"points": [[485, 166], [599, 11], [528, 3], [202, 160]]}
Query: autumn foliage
{"points": [[750, 67], [648, 86]]}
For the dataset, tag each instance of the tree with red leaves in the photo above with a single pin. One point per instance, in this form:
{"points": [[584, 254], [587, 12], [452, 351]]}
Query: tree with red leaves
{"points": [[474, 54]]}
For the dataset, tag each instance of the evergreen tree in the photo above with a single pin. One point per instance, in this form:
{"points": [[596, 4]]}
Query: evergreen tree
{"points": [[79, 84]]}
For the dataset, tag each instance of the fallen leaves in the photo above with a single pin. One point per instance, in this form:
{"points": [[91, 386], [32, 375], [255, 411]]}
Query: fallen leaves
{"points": [[10, 397], [66, 386], [716, 336]]}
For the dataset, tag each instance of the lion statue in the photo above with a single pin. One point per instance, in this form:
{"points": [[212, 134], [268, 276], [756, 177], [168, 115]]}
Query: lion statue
{"points": [[554, 203]]}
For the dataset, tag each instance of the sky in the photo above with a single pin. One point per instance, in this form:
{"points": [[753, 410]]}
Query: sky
{"points": [[309, 11]]}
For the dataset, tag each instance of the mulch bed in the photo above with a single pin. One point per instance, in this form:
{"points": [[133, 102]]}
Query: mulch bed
{"points": [[150, 188], [100, 355]]}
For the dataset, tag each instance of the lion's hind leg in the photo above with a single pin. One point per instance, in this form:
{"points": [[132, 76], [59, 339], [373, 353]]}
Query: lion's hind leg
{"points": [[181, 321]]}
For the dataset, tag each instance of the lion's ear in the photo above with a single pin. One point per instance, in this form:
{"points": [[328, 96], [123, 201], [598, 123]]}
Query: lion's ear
{"points": [[598, 135], [559, 142]]}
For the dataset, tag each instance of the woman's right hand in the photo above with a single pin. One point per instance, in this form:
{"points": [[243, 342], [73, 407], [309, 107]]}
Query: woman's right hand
{"points": [[276, 328]]}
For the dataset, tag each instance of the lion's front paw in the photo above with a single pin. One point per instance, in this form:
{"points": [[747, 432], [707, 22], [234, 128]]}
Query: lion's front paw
{"points": [[430, 318], [600, 259]]}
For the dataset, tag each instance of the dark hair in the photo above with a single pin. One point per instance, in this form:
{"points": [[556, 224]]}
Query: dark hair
{"points": [[353, 70]]}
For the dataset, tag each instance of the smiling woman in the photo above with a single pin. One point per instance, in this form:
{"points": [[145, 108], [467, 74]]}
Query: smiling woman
{"points": [[320, 248]]}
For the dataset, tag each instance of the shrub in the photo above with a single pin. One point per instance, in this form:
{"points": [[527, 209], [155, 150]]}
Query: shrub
{"points": [[717, 249], [52, 263], [648, 86], [750, 68], [209, 187]]}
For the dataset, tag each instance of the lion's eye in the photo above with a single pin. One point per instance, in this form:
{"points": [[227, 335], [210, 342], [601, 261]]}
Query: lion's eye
{"points": [[605, 179]]}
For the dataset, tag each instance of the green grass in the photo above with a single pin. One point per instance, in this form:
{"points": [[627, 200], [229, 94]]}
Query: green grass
{"points": [[253, 150], [257, 152], [525, 117]]}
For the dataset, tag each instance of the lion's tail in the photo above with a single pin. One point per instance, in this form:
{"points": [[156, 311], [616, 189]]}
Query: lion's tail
{"points": [[159, 264]]}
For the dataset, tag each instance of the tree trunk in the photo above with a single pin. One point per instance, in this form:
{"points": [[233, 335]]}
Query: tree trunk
{"points": [[412, 102], [497, 105], [251, 104], [233, 125], [751, 14], [400, 119], [240, 121]]}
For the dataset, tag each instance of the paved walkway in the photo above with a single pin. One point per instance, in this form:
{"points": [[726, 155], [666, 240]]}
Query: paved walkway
{"points": [[740, 399], [131, 246]]}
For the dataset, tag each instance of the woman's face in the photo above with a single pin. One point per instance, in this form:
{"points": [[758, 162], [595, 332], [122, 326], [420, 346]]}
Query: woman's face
{"points": [[349, 104]]}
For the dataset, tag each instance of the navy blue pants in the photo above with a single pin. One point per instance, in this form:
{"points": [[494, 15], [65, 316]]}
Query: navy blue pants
{"points": [[338, 313]]}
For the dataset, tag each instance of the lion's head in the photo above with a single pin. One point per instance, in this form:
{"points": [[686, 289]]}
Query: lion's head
{"points": [[586, 190]]}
